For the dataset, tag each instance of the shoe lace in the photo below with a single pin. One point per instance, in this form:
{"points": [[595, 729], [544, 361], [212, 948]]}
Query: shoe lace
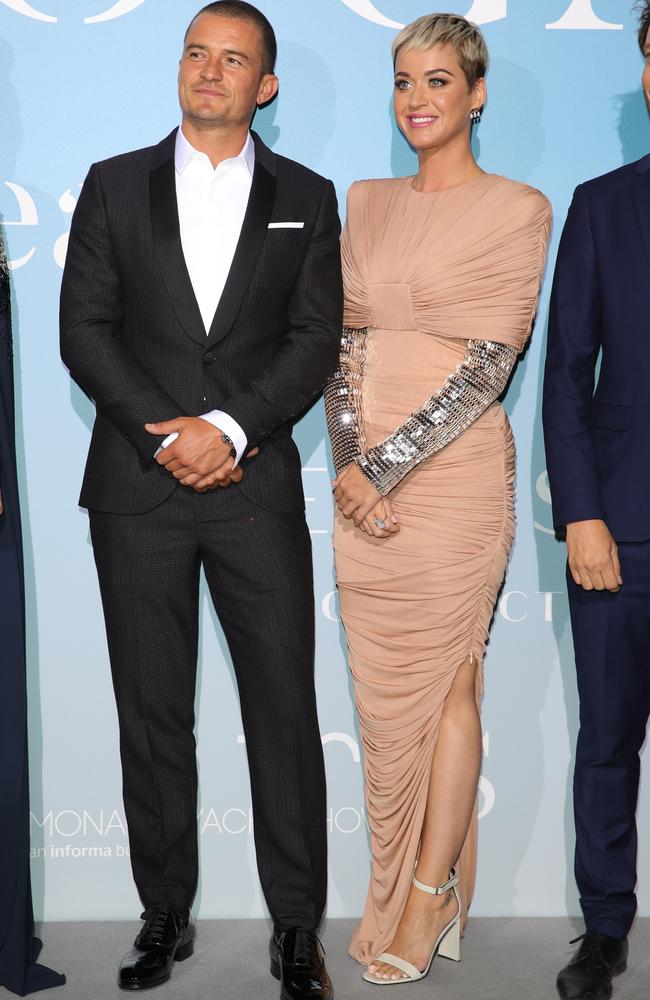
{"points": [[153, 932], [591, 952], [305, 952]]}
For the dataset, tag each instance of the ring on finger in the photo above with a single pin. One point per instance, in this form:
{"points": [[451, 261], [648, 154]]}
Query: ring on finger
{"points": [[379, 523]]}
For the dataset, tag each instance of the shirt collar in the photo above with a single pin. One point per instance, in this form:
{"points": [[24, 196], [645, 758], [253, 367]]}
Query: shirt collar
{"points": [[185, 151]]}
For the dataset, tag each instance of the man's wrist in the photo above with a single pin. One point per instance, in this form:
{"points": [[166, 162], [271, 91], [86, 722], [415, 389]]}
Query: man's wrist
{"points": [[588, 522], [229, 441], [230, 428]]}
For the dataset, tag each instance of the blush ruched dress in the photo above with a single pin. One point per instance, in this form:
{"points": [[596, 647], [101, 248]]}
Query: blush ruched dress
{"points": [[438, 286]]}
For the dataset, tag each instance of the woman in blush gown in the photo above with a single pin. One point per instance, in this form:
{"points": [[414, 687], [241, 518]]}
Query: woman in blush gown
{"points": [[442, 274]]}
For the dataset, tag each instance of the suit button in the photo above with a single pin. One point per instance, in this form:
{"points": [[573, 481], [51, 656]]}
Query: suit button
{"points": [[208, 359]]}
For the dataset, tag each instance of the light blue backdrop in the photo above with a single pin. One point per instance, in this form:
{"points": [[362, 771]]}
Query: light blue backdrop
{"points": [[81, 80]]}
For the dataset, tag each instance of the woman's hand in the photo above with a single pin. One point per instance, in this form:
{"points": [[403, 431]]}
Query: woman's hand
{"points": [[356, 498], [383, 513]]}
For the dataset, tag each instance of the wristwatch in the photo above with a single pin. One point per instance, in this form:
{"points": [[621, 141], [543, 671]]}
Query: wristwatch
{"points": [[229, 441]]}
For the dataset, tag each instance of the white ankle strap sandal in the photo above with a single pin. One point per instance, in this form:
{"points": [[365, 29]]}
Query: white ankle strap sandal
{"points": [[447, 945]]}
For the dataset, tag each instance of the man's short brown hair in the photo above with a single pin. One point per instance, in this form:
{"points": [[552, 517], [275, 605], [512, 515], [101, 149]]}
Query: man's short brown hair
{"points": [[243, 11], [644, 23]]}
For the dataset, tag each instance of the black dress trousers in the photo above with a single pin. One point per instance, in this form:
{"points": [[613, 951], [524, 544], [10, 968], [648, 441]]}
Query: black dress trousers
{"points": [[259, 571]]}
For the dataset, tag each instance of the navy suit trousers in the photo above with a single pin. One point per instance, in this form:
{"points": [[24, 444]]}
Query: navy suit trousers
{"points": [[611, 634]]}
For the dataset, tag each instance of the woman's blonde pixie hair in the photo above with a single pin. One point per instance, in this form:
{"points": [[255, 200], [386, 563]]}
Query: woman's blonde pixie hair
{"points": [[464, 38]]}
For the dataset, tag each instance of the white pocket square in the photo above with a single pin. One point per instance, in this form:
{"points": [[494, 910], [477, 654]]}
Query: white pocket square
{"points": [[286, 225]]}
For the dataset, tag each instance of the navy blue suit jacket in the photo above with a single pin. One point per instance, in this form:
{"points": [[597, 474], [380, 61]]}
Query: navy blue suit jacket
{"points": [[598, 442]]}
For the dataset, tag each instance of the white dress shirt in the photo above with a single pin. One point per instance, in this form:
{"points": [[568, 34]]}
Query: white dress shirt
{"points": [[212, 204]]}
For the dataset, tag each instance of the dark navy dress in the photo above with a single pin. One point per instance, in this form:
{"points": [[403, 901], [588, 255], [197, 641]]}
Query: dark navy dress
{"points": [[18, 947]]}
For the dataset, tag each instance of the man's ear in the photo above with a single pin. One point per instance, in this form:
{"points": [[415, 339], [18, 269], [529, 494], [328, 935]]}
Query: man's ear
{"points": [[268, 89]]}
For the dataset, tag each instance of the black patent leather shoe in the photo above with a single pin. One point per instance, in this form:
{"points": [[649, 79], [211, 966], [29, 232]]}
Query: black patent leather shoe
{"points": [[166, 937], [589, 974], [298, 961]]}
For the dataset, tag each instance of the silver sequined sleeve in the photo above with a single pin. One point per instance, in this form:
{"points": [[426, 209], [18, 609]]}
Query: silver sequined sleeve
{"points": [[343, 393], [467, 393]]}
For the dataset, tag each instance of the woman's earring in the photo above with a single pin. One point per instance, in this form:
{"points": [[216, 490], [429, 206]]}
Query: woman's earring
{"points": [[475, 116]]}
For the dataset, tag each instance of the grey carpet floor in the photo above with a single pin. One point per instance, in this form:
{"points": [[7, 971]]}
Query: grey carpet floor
{"points": [[503, 959]]}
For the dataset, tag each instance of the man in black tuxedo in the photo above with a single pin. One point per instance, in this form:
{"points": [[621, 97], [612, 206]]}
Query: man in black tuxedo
{"points": [[201, 310]]}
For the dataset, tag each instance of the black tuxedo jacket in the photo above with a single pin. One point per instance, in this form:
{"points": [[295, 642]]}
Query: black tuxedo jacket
{"points": [[597, 440], [133, 338]]}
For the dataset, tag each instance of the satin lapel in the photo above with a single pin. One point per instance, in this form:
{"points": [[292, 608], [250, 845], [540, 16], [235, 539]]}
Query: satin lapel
{"points": [[169, 251], [642, 198], [251, 239]]}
